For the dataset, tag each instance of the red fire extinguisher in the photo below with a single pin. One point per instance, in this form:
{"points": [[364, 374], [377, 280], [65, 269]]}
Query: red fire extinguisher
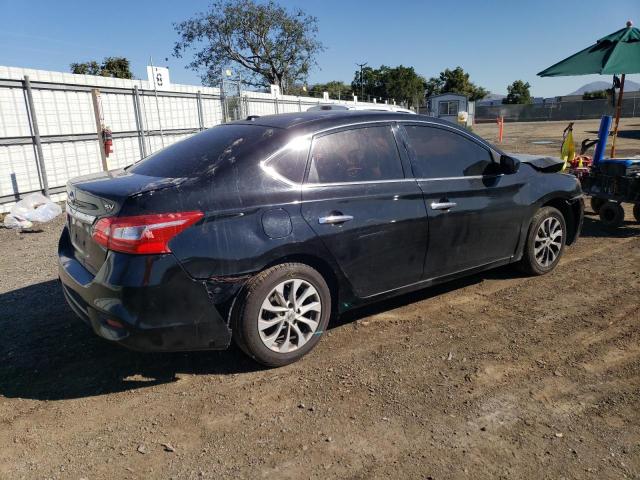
{"points": [[107, 140]]}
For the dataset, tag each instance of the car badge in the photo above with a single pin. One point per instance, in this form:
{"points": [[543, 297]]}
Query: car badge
{"points": [[108, 206]]}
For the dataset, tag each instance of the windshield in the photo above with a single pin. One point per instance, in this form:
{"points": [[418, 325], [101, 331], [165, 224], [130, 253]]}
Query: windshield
{"points": [[202, 153]]}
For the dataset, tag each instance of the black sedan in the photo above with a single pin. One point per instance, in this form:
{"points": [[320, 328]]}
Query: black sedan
{"points": [[261, 230]]}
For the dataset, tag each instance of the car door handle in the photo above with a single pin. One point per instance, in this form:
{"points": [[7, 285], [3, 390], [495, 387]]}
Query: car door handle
{"points": [[333, 219], [442, 205]]}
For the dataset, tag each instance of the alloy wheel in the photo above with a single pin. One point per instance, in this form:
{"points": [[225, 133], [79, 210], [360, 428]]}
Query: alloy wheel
{"points": [[548, 241], [289, 315]]}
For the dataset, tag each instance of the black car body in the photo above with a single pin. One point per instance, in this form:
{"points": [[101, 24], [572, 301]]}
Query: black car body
{"points": [[376, 203]]}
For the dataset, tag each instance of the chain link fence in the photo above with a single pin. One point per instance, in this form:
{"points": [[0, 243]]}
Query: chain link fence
{"points": [[573, 110]]}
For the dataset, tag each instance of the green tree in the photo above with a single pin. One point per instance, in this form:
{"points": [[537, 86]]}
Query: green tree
{"points": [[596, 95], [270, 44], [366, 83], [298, 89], [336, 89], [518, 92], [116, 67], [400, 83], [433, 86], [454, 81]]}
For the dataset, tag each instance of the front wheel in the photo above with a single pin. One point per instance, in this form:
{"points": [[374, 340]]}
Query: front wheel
{"points": [[545, 242], [282, 314], [636, 212]]}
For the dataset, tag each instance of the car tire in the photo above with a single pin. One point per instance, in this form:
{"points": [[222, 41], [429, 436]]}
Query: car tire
{"points": [[544, 247], [267, 322], [636, 212], [596, 204], [612, 215]]}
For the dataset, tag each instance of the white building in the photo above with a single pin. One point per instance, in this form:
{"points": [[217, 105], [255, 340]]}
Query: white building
{"points": [[448, 105]]}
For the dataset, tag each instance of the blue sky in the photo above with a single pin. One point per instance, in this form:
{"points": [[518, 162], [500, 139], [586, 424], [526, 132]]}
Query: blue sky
{"points": [[495, 41]]}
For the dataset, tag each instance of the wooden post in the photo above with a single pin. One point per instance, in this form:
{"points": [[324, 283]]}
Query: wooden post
{"points": [[617, 121], [95, 97]]}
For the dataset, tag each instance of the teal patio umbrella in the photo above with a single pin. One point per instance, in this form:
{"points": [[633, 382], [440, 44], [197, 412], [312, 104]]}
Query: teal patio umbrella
{"points": [[615, 54]]}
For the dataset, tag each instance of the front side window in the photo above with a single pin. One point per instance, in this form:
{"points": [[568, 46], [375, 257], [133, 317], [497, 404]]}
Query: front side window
{"points": [[358, 155], [442, 153]]}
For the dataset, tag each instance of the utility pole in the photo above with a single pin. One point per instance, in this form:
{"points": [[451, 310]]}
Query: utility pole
{"points": [[361, 82]]}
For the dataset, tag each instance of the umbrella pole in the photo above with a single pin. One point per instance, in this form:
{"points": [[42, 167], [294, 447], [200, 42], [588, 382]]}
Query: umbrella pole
{"points": [[618, 110]]}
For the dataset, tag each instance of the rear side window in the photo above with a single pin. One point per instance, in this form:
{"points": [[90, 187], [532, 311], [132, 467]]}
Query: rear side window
{"points": [[291, 162], [202, 153], [358, 155], [441, 153]]}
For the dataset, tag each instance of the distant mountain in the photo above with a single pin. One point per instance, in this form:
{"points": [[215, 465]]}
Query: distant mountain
{"points": [[494, 96], [629, 86]]}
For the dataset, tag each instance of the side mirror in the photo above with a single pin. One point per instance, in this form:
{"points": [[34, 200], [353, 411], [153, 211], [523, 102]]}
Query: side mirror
{"points": [[509, 165]]}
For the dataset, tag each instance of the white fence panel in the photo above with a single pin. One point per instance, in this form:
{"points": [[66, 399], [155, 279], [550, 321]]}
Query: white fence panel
{"points": [[65, 160], [63, 107], [211, 112], [125, 152], [63, 113], [14, 118], [18, 170], [119, 112]]}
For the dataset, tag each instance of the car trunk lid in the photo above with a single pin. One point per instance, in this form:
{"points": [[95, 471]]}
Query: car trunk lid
{"points": [[100, 195]]}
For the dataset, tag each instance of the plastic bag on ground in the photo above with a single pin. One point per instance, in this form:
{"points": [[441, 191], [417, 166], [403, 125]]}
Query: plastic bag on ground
{"points": [[12, 222], [35, 207]]}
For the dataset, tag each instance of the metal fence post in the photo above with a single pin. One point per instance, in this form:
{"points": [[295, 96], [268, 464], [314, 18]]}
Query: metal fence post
{"points": [[44, 183], [275, 102], [200, 116], [139, 124], [299, 104]]}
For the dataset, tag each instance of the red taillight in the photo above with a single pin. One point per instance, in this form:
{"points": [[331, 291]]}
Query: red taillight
{"points": [[142, 233]]}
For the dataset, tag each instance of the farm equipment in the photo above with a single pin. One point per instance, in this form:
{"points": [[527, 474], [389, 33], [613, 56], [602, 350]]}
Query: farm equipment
{"points": [[610, 182], [614, 181]]}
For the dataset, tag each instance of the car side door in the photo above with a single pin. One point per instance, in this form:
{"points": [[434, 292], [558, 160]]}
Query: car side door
{"points": [[369, 216], [475, 211]]}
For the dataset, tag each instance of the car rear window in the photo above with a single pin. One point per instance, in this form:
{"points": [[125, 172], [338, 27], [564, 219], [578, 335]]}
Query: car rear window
{"points": [[203, 152]]}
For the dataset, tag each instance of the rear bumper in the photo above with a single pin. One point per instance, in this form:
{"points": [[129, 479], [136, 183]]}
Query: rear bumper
{"points": [[143, 302]]}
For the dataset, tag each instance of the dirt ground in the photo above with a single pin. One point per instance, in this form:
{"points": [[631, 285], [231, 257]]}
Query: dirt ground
{"points": [[494, 376], [546, 137]]}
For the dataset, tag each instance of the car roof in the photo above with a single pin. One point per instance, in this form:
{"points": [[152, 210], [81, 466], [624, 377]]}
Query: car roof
{"points": [[321, 119], [384, 107]]}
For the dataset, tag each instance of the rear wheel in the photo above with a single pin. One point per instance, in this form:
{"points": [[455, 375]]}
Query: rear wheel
{"points": [[636, 212], [282, 314], [545, 242], [596, 204], [612, 215]]}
